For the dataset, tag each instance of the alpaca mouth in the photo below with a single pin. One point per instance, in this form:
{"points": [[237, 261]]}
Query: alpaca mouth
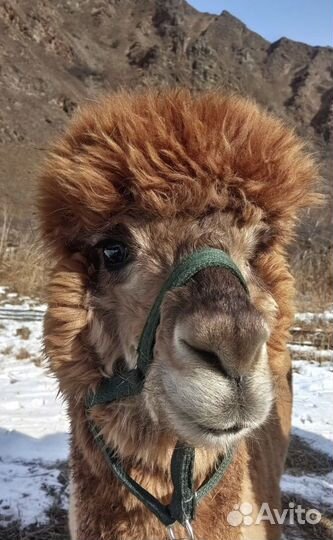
{"points": [[186, 423], [219, 432]]}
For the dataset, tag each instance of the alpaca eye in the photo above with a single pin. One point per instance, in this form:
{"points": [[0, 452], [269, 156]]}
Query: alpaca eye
{"points": [[116, 255]]}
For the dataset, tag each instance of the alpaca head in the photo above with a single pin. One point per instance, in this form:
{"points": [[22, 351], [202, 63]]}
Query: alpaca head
{"points": [[141, 181]]}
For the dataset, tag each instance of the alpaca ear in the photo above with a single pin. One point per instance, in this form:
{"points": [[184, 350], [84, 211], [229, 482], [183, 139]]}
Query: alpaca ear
{"points": [[66, 298], [65, 322]]}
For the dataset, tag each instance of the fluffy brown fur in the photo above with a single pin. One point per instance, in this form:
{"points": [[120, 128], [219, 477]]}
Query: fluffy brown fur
{"points": [[169, 156]]}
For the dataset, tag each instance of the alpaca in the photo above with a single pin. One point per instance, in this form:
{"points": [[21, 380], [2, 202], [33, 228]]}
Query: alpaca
{"points": [[140, 182]]}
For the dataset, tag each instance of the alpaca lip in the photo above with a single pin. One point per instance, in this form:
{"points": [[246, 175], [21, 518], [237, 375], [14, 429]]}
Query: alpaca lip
{"points": [[206, 430], [219, 432]]}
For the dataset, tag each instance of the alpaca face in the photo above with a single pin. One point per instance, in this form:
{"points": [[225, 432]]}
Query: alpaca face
{"points": [[109, 193], [209, 381]]}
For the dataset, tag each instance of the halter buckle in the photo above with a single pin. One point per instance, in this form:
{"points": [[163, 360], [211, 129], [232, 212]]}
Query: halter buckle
{"points": [[189, 532]]}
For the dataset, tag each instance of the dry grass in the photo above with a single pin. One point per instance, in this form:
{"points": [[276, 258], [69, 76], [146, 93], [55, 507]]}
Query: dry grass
{"points": [[321, 531], [316, 334], [303, 459], [7, 350], [22, 354], [22, 264], [56, 529], [313, 269], [24, 332]]}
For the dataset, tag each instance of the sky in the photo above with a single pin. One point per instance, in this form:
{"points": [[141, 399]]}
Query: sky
{"points": [[309, 21]]}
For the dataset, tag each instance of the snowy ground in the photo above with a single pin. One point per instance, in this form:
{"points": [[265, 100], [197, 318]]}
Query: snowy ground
{"points": [[33, 423]]}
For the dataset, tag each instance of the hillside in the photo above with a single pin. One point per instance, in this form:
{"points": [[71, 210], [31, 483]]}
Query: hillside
{"points": [[56, 54]]}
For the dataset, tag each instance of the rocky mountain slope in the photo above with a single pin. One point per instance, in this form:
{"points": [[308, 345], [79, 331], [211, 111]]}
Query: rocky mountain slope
{"points": [[55, 54]]}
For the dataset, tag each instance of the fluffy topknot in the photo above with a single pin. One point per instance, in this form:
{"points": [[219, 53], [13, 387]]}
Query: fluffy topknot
{"points": [[172, 152]]}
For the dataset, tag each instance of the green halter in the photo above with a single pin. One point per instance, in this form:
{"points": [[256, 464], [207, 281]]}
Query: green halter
{"points": [[184, 498]]}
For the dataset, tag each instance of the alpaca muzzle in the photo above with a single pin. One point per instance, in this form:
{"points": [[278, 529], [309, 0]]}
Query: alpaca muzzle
{"points": [[121, 386], [216, 326]]}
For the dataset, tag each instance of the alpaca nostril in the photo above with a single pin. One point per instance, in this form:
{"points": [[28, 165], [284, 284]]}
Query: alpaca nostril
{"points": [[209, 357], [238, 380]]}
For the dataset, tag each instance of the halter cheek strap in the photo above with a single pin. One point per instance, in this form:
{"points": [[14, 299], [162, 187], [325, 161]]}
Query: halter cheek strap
{"points": [[184, 498]]}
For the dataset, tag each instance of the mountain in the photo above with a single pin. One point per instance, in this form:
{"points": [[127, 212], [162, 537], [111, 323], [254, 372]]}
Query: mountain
{"points": [[55, 54]]}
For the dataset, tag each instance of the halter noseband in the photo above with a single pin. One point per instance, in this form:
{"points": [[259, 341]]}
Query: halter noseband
{"points": [[184, 498]]}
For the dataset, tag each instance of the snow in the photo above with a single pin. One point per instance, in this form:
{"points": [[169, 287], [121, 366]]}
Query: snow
{"points": [[312, 422], [315, 489], [26, 489], [10, 338], [313, 398], [34, 425], [33, 422], [310, 352], [308, 317]]}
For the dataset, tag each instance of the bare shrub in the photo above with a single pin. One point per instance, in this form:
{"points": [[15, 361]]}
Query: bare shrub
{"points": [[22, 263], [313, 271], [24, 332]]}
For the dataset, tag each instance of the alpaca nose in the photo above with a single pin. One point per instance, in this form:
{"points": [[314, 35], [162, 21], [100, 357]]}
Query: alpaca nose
{"points": [[210, 358], [221, 328], [230, 346]]}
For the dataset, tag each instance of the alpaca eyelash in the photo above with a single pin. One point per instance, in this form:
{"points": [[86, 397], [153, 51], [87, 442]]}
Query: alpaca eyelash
{"points": [[116, 255], [118, 233]]}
